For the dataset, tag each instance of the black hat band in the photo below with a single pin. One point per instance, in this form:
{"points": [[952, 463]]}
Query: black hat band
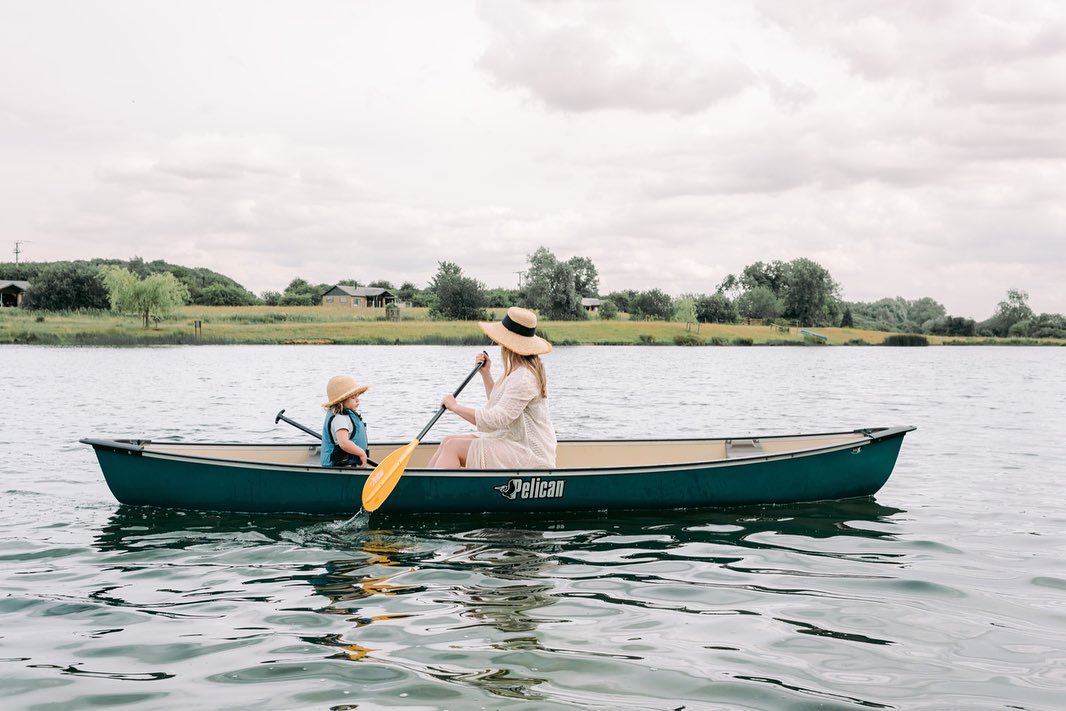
{"points": [[518, 328]]}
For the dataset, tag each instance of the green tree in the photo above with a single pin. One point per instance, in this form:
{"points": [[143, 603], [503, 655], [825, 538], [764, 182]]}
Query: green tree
{"points": [[300, 293], [924, 309], [1047, 326], [951, 326], [653, 304], [220, 294], [158, 294], [586, 278], [716, 308], [550, 288], [759, 302], [623, 300], [564, 302], [685, 310], [608, 310], [847, 321], [774, 276], [457, 297], [500, 298], [67, 285], [1009, 312], [811, 296]]}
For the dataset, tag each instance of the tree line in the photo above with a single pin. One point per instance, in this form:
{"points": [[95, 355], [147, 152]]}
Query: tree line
{"points": [[799, 292]]}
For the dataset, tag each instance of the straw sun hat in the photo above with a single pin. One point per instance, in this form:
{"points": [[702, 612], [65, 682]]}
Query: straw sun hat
{"points": [[340, 388], [517, 332]]}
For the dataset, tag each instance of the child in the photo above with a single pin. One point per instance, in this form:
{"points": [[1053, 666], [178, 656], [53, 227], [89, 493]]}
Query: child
{"points": [[344, 442]]}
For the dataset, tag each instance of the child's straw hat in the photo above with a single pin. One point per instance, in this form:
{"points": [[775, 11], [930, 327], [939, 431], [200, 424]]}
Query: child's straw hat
{"points": [[340, 388]]}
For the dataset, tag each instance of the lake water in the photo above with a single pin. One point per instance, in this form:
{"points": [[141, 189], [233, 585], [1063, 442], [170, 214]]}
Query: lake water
{"points": [[945, 591]]}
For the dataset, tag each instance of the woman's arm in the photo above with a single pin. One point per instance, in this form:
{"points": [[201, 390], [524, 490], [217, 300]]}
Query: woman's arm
{"points": [[486, 373], [467, 413]]}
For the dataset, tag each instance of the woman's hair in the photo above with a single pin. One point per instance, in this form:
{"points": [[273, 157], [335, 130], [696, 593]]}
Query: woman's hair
{"points": [[512, 360]]}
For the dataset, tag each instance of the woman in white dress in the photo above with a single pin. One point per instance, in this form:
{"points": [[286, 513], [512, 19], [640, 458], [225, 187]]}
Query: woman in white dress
{"points": [[515, 426]]}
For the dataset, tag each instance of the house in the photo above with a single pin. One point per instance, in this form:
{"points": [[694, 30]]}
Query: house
{"points": [[12, 293], [590, 304], [357, 296]]}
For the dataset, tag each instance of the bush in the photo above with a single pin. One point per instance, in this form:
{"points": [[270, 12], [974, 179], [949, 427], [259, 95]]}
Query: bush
{"points": [[608, 310], [647, 338], [905, 339], [743, 342], [688, 339]]}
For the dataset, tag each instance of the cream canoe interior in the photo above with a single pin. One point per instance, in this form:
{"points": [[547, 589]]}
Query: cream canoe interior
{"points": [[570, 455]]}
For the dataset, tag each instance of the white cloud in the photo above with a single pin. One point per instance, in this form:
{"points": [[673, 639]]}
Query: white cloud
{"points": [[913, 149], [616, 56]]}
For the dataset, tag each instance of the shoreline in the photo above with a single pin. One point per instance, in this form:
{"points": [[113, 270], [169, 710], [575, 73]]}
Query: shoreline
{"points": [[314, 325]]}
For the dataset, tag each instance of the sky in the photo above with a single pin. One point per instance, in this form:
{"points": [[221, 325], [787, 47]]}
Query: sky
{"points": [[912, 148]]}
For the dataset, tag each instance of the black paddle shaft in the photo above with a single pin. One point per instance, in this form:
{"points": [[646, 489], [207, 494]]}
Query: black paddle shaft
{"points": [[280, 416], [455, 394]]}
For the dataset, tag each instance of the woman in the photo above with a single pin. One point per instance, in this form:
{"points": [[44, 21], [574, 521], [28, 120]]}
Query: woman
{"points": [[516, 427]]}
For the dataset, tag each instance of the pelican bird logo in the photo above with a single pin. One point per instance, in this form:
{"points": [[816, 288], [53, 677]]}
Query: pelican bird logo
{"points": [[510, 489]]}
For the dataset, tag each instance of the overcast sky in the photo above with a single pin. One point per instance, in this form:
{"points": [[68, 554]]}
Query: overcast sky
{"points": [[911, 148]]}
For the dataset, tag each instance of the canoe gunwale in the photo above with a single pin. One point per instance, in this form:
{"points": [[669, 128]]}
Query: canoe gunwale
{"points": [[139, 447]]}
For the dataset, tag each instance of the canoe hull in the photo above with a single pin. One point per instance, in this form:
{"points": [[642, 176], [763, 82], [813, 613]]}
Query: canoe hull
{"points": [[138, 476]]}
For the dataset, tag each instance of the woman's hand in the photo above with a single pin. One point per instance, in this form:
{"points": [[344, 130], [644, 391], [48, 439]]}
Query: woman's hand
{"points": [[448, 402], [483, 358]]}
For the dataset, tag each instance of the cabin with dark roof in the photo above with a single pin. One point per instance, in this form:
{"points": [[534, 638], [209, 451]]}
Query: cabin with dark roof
{"points": [[358, 297], [13, 293]]}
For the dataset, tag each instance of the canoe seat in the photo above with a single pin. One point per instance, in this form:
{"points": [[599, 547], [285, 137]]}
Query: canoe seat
{"points": [[742, 447]]}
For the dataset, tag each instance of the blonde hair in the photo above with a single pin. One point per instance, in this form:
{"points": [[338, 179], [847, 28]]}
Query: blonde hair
{"points": [[338, 408], [512, 360]]}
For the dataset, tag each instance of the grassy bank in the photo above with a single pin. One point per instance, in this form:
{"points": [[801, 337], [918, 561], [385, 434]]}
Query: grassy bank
{"points": [[315, 324]]}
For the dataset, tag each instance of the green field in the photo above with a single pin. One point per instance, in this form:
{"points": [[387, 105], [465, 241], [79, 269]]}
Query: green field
{"points": [[317, 324]]}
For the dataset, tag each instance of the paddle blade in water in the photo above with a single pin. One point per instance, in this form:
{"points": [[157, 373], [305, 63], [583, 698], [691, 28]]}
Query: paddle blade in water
{"points": [[383, 479]]}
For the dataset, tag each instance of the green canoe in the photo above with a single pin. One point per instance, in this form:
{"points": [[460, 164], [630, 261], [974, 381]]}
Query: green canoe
{"points": [[590, 475]]}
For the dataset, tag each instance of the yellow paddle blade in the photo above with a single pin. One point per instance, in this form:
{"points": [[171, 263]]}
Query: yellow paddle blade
{"points": [[386, 474]]}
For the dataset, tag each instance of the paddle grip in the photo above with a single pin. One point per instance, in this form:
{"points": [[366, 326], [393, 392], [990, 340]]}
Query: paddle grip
{"points": [[441, 410]]}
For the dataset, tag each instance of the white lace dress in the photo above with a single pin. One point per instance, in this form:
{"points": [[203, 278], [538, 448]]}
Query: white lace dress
{"points": [[515, 425]]}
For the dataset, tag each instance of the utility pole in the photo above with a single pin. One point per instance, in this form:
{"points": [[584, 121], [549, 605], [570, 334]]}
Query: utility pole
{"points": [[18, 252], [521, 278]]}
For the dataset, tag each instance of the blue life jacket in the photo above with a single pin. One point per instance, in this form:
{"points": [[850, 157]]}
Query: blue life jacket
{"points": [[334, 456]]}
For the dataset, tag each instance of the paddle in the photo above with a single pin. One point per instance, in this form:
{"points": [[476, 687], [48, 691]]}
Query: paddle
{"points": [[383, 479], [281, 417]]}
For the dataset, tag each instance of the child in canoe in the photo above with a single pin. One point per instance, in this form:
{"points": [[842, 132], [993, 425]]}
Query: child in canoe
{"points": [[344, 442]]}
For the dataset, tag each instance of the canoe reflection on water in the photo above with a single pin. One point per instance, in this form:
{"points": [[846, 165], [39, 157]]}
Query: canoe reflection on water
{"points": [[466, 597]]}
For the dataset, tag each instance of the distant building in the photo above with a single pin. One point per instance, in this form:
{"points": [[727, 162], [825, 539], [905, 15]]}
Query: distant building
{"points": [[358, 296], [590, 304], [12, 293]]}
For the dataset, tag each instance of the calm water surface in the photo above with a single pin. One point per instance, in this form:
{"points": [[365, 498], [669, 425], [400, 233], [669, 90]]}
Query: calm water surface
{"points": [[946, 591]]}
